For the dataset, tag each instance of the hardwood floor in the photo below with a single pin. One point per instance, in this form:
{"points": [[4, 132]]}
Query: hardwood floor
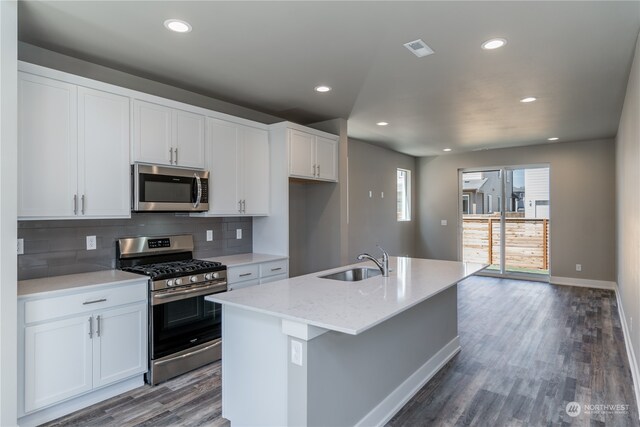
{"points": [[528, 349]]}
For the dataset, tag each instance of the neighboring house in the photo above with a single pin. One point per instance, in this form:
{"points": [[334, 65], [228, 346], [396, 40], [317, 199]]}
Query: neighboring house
{"points": [[481, 192], [536, 196]]}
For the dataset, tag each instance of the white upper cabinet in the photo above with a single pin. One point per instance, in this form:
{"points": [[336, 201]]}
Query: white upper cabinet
{"points": [[73, 158], [47, 148], [103, 142], [237, 157], [167, 136], [312, 156]]}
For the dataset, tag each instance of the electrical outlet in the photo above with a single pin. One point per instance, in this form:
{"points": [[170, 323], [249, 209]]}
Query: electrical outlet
{"points": [[578, 267], [20, 246], [443, 222], [370, 194], [238, 233], [91, 243], [209, 235], [382, 194], [296, 352]]}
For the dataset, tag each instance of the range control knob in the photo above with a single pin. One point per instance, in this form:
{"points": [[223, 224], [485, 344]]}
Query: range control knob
{"points": [[170, 282], [208, 276], [193, 279], [178, 282]]}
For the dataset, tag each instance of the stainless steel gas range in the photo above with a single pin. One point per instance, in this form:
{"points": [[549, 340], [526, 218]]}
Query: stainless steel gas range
{"points": [[184, 329]]}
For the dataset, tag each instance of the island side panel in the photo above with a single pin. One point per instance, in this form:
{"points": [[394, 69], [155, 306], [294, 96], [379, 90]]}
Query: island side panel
{"points": [[348, 376], [254, 368]]}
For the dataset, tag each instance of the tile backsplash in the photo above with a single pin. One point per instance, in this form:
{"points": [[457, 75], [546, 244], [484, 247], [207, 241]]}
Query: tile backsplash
{"points": [[53, 248]]}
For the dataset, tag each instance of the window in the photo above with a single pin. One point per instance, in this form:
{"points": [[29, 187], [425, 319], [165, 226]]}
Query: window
{"points": [[489, 203], [465, 204], [404, 195]]}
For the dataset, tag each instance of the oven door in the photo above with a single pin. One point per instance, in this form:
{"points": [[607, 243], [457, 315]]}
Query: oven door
{"points": [[183, 321]]}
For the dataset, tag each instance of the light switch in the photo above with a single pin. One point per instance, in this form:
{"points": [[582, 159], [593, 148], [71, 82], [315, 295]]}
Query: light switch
{"points": [[382, 194], [443, 222], [238, 233], [370, 194], [20, 246], [209, 235]]}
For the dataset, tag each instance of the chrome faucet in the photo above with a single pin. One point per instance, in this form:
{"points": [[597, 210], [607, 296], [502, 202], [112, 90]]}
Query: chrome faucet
{"points": [[383, 266]]}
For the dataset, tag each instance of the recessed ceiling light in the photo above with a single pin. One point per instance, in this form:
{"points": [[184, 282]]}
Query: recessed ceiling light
{"points": [[554, 138], [493, 44], [382, 123], [528, 99], [322, 88], [446, 149], [177, 25]]}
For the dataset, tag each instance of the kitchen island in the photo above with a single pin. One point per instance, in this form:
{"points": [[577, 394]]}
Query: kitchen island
{"points": [[311, 351]]}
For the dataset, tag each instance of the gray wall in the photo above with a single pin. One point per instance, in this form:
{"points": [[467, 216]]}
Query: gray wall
{"points": [[628, 205], [582, 185], [46, 58], [374, 221], [53, 248]]}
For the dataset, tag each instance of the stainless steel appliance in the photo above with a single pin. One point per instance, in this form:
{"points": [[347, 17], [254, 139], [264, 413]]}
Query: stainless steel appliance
{"points": [[169, 189], [184, 328]]}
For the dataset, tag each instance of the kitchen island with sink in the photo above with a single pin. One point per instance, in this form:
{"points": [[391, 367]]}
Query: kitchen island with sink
{"points": [[343, 349]]}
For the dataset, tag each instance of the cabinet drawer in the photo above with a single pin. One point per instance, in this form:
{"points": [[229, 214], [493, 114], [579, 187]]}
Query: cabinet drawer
{"points": [[273, 278], [242, 273], [51, 308], [274, 267], [245, 284]]}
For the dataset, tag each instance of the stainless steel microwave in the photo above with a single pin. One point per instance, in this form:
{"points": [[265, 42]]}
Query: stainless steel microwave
{"points": [[169, 189]]}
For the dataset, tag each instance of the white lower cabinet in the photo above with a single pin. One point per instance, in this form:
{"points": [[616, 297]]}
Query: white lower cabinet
{"points": [[81, 342], [247, 275]]}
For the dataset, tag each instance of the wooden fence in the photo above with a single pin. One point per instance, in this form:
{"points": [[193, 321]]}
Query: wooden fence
{"points": [[526, 245]]}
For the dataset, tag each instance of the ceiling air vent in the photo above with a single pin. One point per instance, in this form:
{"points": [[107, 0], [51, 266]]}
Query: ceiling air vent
{"points": [[419, 48]]}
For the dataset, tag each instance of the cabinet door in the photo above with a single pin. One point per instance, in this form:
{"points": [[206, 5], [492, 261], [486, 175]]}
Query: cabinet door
{"points": [[327, 158], [120, 344], [47, 147], [301, 154], [103, 150], [57, 361], [152, 133], [188, 139], [222, 162], [255, 170]]}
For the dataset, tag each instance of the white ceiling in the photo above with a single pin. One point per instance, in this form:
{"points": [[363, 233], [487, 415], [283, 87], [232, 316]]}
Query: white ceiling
{"points": [[573, 56]]}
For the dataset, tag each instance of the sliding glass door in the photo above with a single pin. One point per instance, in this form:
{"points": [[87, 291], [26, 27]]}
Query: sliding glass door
{"points": [[505, 219]]}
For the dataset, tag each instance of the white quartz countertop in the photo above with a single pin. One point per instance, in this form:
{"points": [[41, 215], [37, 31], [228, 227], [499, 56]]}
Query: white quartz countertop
{"points": [[245, 259], [49, 285], [351, 307]]}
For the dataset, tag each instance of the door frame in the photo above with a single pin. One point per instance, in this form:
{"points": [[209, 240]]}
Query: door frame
{"points": [[503, 202]]}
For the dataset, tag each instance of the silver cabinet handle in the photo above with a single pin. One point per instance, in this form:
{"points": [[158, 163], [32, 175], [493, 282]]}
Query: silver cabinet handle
{"points": [[82, 204], [170, 156], [176, 150], [198, 183], [314, 170], [276, 269], [318, 171], [245, 274], [75, 204], [98, 326], [240, 206], [244, 206], [94, 301], [90, 327]]}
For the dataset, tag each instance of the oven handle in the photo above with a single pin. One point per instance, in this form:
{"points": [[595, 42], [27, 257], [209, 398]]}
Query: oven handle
{"points": [[218, 287], [193, 353]]}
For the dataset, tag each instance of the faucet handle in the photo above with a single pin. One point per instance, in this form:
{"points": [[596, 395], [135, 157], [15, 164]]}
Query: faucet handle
{"points": [[384, 253]]}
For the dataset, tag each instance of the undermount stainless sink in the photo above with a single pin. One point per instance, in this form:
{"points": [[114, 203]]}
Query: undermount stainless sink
{"points": [[353, 274]]}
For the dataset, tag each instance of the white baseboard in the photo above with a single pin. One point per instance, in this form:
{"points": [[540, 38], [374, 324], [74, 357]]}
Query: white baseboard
{"points": [[584, 283], [633, 364], [67, 407], [391, 404]]}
